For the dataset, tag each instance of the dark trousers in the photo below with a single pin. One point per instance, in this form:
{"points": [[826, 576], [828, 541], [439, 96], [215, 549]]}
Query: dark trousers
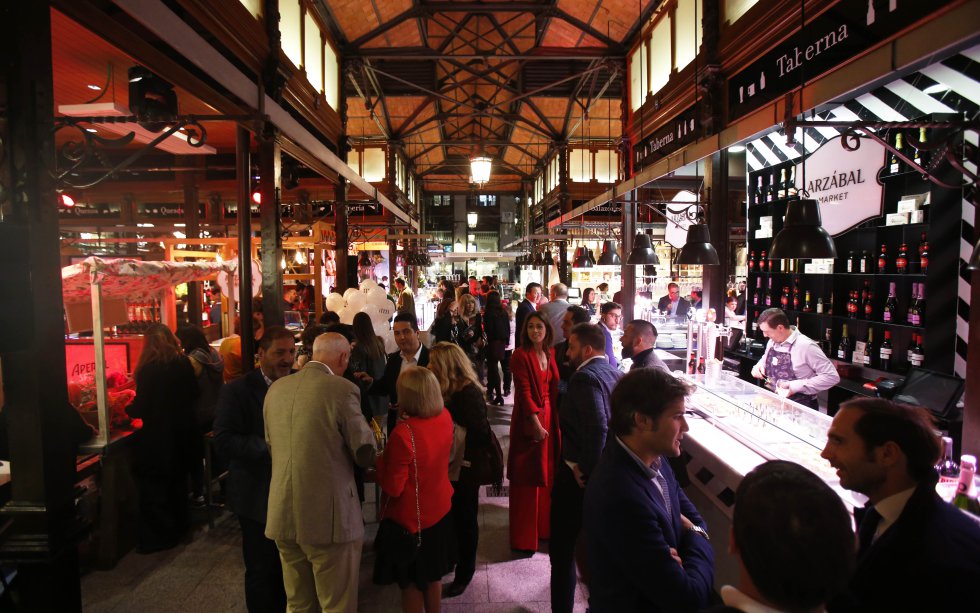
{"points": [[508, 376], [465, 505], [163, 510], [566, 524], [493, 376], [264, 591]]}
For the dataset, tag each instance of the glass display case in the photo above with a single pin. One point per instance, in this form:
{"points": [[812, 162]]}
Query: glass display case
{"points": [[770, 425]]}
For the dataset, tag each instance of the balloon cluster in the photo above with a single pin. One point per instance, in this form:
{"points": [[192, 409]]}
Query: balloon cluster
{"points": [[370, 299]]}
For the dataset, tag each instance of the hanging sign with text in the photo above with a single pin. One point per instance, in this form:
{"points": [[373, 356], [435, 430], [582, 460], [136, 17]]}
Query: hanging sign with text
{"points": [[845, 183], [673, 135], [836, 36]]}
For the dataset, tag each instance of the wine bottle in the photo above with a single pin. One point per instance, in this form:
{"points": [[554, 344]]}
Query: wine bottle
{"points": [[923, 255], [844, 347], [807, 306], [902, 261], [763, 262], [919, 154], [863, 264], [760, 192], [869, 305], [782, 184], [692, 364], [966, 496], [796, 295], [920, 315], [769, 293], [852, 305], [819, 305], [791, 182], [912, 315], [891, 305], [773, 188], [918, 356], [947, 466], [784, 299], [830, 305], [701, 366], [870, 351], [885, 353], [755, 321], [827, 344], [883, 260], [894, 164], [850, 261], [751, 262]]}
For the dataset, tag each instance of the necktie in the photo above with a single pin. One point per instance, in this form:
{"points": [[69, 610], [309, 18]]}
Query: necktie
{"points": [[867, 529], [666, 493]]}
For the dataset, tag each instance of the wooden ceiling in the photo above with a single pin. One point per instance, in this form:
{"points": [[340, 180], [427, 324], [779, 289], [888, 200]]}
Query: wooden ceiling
{"points": [[508, 78]]}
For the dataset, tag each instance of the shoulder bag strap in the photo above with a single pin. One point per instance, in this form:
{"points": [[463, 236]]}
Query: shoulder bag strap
{"points": [[418, 509]]}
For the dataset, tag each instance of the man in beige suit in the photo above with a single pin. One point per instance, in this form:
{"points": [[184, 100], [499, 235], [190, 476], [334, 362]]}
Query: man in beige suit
{"points": [[315, 431]]}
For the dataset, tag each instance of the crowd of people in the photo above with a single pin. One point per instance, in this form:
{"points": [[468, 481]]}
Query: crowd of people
{"points": [[591, 469]]}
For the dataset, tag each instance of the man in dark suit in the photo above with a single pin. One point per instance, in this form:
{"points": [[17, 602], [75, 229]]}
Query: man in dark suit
{"points": [[411, 352], [239, 437], [672, 304], [584, 420], [646, 544], [532, 293], [915, 552], [574, 315], [639, 342]]}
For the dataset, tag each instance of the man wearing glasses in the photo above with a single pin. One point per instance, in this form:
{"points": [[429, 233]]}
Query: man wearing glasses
{"points": [[610, 315], [672, 305]]}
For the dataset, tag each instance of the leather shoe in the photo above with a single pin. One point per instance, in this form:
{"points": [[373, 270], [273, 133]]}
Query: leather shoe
{"points": [[455, 589]]}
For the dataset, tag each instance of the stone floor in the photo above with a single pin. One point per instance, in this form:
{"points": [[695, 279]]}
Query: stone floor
{"points": [[206, 575]]}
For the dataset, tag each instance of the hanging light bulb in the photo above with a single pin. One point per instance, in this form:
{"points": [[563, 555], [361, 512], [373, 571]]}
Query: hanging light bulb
{"points": [[282, 262]]}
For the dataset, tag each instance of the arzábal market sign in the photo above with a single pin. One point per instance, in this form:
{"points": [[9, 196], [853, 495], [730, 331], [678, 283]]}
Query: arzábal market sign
{"points": [[845, 183]]}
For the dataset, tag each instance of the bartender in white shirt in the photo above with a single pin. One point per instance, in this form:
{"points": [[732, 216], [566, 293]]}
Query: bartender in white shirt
{"points": [[793, 365]]}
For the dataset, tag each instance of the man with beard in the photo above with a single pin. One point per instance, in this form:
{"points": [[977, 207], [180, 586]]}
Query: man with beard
{"points": [[639, 341], [583, 418]]}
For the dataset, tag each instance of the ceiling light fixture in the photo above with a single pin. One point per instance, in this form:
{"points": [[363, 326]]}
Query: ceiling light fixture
{"points": [[480, 169], [698, 249], [609, 256], [643, 253]]}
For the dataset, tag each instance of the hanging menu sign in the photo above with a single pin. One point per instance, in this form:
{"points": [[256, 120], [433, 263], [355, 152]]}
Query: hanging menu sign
{"points": [[845, 183], [605, 211], [165, 210], [89, 211], [673, 135], [836, 36]]}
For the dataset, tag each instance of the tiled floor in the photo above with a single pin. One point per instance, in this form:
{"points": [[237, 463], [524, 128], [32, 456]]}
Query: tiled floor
{"points": [[206, 575]]}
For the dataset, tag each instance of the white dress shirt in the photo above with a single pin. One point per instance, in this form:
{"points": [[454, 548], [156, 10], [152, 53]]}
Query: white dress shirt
{"points": [[814, 372]]}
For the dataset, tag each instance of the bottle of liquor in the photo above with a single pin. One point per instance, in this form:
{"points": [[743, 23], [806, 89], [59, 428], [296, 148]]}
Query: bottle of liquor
{"points": [[819, 305], [751, 262], [908, 352], [920, 155], [850, 261], [784, 299], [912, 315], [966, 495], [868, 308], [885, 353], [827, 344], [760, 192], [791, 182], [920, 315], [769, 293], [882, 260], [692, 364], [870, 351], [807, 305], [923, 255], [830, 306], [773, 188], [888, 314], [918, 356], [763, 262], [863, 263], [902, 261], [894, 164], [701, 366], [844, 347], [796, 295], [757, 299], [947, 467], [782, 184], [755, 321], [852, 305]]}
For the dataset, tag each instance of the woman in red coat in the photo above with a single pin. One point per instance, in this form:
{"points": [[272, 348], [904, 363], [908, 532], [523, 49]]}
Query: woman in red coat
{"points": [[530, 461]]}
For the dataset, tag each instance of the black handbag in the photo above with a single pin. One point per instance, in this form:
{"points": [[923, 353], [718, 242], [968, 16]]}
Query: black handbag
{"points": [[394, 541], [487, 464]]}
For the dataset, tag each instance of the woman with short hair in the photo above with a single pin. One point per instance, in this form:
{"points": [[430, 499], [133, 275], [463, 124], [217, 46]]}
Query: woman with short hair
{"points": [[414, 477]]}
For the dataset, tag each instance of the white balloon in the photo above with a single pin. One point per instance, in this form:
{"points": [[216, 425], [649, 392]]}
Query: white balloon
{"points": [[371, 310], [347, 315], [377, 295], [350, 292], [335, 302], [385, 309], [382, 329], [389, 338], [356, 301], [368, 284]]}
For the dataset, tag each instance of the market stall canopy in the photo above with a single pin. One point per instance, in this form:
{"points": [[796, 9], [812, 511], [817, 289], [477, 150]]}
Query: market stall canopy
{"points": [[132, 279]]}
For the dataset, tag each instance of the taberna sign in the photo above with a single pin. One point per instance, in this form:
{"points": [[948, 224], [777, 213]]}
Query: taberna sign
{"points": [[845, 183]]}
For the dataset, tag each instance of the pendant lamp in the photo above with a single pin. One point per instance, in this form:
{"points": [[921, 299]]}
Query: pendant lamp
{"points": [[974, 263], [802, 236], [609, 256], [538, 260], [698, 250], [642, 253], [548, 259], [582, 259], [591, 256]]}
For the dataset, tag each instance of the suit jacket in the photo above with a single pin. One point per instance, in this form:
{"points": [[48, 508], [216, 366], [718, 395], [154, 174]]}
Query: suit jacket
{"points": [[315, 432], [385, 386], [629, 534], [928, 560], [406, 302], [682, 305], [584, 414], [239, 438], [524, 309], [648, 359]]}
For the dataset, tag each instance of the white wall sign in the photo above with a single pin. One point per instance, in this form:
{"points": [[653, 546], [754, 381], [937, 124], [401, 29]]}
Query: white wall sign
{"points": [[678, 219], [845, 183]]}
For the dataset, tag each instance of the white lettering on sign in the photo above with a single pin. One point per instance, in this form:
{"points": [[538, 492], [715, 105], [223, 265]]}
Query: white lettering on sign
{"points": [[844, 183], [788, 62]]}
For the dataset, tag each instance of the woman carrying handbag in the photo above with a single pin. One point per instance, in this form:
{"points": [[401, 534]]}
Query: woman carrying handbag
{"points": [[414, 542]]}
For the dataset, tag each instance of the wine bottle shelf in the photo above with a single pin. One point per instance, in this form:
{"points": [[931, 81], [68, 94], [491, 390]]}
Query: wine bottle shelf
{"points": [[810, 275], [792, 313]]}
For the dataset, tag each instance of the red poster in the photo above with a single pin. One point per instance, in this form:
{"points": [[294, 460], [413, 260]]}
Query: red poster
{"points": [[80, 358]]}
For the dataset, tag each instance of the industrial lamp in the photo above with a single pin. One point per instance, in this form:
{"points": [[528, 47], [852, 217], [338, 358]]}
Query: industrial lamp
{"points": [[802, 236], [548, 259], [582, 259], [480, 169], [974, 263], [642, 253], [609, 256], [698, 249]]}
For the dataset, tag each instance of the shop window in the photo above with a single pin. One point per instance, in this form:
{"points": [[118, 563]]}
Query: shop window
{"points": [[442, 200], [313, 58], [486, 200], [254, 7], [736, 8], [291, 28], [580, 165], [606, 169], [687, 32], [373, 168], [660, 58], [638, 76], [331, 76]]}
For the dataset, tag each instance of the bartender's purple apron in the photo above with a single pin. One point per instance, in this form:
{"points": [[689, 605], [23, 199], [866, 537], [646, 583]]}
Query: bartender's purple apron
{"points": [[779, 367]]}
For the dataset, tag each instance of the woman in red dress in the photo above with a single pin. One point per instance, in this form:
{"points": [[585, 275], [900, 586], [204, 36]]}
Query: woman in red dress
{"points": [[533, 432]]}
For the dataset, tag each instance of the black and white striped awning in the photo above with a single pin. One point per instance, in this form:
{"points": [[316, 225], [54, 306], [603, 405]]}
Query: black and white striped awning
{"points": [[949, 86]]}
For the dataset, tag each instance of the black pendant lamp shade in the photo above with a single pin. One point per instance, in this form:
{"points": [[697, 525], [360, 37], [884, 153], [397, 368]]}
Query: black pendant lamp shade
{"points": [[698, 250], [589, 254], [609, 256], [642, 253], [538, 260], [974, 263], [582, 258], [548, 259], [803, 235]]}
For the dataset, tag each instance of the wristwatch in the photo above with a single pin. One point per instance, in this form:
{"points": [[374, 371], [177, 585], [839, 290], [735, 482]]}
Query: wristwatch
{"points": [[696, 529]]}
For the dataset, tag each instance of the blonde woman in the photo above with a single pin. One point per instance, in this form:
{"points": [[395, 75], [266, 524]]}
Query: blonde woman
{"points": [[463, 397], [470, 337], [417, 494]]}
